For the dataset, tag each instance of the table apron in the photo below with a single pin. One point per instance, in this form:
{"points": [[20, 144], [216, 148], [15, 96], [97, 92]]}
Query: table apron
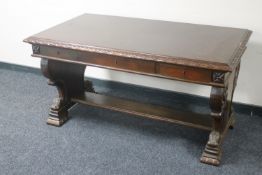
{"points": [[151, 68]]}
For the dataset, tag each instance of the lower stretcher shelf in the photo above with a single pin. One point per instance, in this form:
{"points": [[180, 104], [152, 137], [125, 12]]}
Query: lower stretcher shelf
{"points": [[146, 110]]}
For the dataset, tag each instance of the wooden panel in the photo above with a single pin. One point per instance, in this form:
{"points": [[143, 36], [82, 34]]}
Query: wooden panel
{"points": [[135, 65], [95, 59], [202, 75], [171, 70], [182, 72], [146, 110]]}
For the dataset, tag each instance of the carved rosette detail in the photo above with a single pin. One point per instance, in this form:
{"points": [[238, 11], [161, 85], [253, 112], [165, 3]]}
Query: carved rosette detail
{"points": [[218, 77], [36, 49]]}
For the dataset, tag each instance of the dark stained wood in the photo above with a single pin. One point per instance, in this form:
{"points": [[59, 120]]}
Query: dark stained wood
{"points": [[223, 118], [146, 110], [170, 42], [185, 72], [163, 70], [101, 60], [186, 52], [69, 80]]}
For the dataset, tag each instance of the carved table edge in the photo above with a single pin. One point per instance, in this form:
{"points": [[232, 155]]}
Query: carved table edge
{"points": [[131, 54]]}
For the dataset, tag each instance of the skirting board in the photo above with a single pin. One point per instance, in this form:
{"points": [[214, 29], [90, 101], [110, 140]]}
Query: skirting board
{"points": [[239, 107]]}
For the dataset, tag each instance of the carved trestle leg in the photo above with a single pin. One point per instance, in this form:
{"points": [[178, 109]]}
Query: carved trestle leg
{"points": [[223, 118], [212, 152], [69, 81]]}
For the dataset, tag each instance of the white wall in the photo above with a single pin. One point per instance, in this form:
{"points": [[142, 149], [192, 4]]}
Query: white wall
{"points": [[20, 19]]}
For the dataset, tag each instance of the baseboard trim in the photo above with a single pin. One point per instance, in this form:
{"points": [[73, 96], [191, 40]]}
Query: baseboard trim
{"points": [[246, 109], [19, 68]]}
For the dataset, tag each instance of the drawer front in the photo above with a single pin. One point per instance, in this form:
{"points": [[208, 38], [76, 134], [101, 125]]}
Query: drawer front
{"points": [[135, 65], [186, 73], [115, 62], [96, 60], [122, 63]]}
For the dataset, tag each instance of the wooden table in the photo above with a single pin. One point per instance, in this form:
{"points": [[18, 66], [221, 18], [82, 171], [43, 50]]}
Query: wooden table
{"points": [[192, 53]]}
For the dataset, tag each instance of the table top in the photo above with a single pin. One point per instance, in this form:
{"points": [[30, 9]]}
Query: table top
{"points": [[171, 42]]}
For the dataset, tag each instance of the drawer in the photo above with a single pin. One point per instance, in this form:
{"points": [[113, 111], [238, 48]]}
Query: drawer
{"points": [[183, 72], [135, 65], [100, 60], [122, 63]]}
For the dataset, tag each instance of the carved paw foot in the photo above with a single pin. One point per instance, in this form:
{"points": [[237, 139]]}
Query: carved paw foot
{"points": [[212, 152], [210, 160], [56, 121], [58, 114]]}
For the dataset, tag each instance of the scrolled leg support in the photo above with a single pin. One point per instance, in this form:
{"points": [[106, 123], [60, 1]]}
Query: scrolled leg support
{"points": [[68, 78]]}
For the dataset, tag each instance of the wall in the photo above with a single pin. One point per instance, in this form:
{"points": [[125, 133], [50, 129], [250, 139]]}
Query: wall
{"points": [[20, 19]]}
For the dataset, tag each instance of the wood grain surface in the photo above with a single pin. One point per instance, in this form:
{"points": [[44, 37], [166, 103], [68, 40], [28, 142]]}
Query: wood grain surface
{"points": [[194, 45]]}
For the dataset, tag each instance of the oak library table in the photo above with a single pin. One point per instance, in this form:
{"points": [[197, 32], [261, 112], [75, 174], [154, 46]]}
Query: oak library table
{"points": [[199, 54]]}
